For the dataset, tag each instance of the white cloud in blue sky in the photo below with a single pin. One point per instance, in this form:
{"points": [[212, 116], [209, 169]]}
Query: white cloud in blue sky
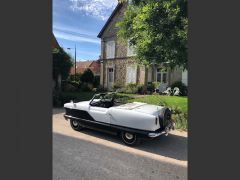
{"points": [[97, 8], [74, 37], [78, 22]]}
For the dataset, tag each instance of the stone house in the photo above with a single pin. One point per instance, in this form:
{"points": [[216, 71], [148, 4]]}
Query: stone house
{"points": [[117, 60]]}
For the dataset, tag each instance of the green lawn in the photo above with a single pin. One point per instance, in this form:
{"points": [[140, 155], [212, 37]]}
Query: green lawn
{"points": [[172, 101]]}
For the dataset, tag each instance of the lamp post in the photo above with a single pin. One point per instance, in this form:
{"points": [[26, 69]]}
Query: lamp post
{"points": [[75, 64]]}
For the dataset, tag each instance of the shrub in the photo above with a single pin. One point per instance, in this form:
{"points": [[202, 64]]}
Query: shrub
{"points": [[71, 86], [87, 76], [156, 84], [85, 87], [150, 87], [178, 116], [100, 88], [116, 87], [182, 87], [131, 88], [71, 77], [96, 81], [140, 89]]}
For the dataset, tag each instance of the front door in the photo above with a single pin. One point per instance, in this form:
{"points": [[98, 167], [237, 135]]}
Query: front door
{"points": [[162, 78], [110, 77]]}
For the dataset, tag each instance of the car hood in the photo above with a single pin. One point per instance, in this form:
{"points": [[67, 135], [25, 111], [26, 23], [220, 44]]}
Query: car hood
{"points": [[77, 105], [142, 108]]}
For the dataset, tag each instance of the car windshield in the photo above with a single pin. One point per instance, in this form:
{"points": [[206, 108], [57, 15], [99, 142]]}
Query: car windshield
{"points": [[103, 100]]}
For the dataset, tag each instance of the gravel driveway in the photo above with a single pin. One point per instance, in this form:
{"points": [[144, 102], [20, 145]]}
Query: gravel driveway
{"points": [[90, 155]]}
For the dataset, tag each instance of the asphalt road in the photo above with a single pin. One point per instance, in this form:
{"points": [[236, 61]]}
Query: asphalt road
{"points": [[91, 155]]}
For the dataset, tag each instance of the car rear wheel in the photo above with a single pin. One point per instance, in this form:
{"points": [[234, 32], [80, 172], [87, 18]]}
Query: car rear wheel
{"points": [[129, 139], [76, 125]]}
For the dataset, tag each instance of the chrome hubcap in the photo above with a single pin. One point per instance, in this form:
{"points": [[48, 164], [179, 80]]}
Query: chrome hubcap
{"points": [[129, 136], [75, 123]]}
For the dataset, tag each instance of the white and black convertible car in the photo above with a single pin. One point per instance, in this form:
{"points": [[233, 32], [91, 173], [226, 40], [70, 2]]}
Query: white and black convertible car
{"points": [[132, 121]]}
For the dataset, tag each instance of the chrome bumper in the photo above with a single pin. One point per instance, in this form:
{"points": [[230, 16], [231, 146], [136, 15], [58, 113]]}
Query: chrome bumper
{"points": [[165, 132]]}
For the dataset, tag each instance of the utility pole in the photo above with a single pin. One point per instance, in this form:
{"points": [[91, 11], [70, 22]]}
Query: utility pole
{"points": [[75, 62]]}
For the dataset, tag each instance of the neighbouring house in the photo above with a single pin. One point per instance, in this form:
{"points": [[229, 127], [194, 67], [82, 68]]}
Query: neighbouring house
{"points": [[54, 44], [117, 60], [81, 66]]}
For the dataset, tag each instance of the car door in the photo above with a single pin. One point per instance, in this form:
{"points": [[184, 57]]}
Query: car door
{"points": [[99, 114]]}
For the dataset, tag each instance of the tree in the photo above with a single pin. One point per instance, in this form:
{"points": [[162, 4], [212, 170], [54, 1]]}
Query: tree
{"points": [[62, 63], [87, 76], [157, 29]]}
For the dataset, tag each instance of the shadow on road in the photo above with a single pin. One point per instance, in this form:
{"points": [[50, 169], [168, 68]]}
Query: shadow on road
{"points": [[75, 158], [172, 146]]}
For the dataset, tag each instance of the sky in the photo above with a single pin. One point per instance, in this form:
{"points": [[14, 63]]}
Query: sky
{"points": [[79, 22]]}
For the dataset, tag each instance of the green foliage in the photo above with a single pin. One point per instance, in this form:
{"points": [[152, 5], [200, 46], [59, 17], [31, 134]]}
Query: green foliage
{"points": [[85, 88], [130, 88], [62, 63], [59, 99], [156, 84], [116, 86], [182, 87], [140, 89], [96, 81], [158, 31], [71, 77], [150, 87], [87, 76], [100, 88]]}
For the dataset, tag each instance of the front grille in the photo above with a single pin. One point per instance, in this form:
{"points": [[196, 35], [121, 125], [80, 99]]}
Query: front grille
{"points": [[78, 114], [68, 111]]}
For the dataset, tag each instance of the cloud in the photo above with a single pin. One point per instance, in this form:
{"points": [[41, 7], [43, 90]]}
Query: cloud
{"points": [[75, 36], [97, 8], [74, 30]]}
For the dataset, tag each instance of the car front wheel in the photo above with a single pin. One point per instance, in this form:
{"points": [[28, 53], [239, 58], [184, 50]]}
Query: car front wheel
{"points": [[76, 125], [129, 139]]}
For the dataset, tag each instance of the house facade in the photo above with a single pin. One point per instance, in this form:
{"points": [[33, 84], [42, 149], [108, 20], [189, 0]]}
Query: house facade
{"points": [[118, 66]]}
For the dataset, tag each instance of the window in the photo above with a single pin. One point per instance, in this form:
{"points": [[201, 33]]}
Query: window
{"points": [[130, 50], [161, 76], [131, 74], [110, 49]]}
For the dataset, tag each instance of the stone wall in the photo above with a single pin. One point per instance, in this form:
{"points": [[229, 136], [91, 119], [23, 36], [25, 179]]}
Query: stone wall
{"points": [[120, 70]]}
